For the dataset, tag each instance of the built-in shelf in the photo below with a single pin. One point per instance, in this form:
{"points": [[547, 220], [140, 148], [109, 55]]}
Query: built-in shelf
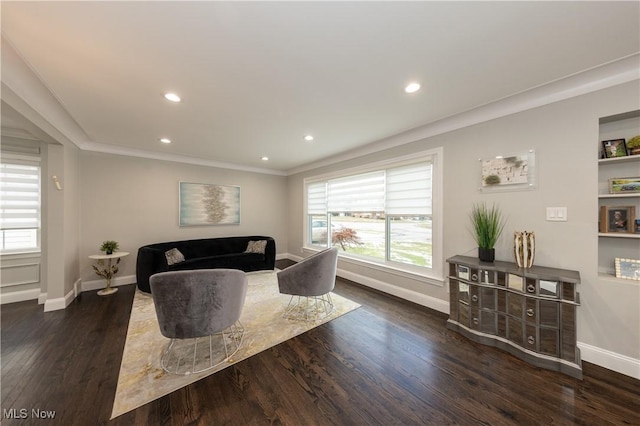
{"points": [[620, 235], [613, 245], [618, 117], [627, 159], [632, 195]]}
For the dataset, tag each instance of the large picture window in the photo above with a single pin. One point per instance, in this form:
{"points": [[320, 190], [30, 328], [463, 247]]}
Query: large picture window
{"points": [[19, 205], [383, 215]]}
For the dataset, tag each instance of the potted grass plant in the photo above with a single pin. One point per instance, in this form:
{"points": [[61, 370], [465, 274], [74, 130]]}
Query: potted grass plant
{"points": [[109, 247], [488, 224]]}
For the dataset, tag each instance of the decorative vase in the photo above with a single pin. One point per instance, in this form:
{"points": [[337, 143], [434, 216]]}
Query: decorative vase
{"points": [[524, 248], [486, 254], [109, 252]]}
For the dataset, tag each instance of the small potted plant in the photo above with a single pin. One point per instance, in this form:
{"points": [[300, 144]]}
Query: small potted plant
{"points": [[633, 145], [109, 247], [488, 224]]}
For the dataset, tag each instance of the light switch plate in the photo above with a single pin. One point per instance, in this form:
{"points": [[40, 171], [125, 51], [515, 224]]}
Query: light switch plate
{"points": [[557, 214]]}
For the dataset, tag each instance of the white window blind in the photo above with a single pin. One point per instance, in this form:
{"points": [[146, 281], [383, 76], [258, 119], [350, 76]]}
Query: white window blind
{"points": [[358, 193], [317, 198], [19, 204], [409, 190]]}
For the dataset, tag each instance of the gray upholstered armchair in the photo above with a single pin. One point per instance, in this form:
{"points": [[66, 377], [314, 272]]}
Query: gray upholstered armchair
{"points": [[203, 303], [310, 282]]}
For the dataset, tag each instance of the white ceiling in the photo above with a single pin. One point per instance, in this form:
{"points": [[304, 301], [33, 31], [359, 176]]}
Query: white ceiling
{"points": [[258, 76]]}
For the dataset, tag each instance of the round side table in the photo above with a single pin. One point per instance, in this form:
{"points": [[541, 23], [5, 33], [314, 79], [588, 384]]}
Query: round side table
{"points": [[109, 270]]}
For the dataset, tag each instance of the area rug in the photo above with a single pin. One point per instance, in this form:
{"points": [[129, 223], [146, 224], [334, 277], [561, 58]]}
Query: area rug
{"points": [[143, 380]]}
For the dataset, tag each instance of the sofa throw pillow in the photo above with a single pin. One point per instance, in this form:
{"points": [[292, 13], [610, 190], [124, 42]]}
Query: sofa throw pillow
{"points": [[174, 256], [256, 246]]}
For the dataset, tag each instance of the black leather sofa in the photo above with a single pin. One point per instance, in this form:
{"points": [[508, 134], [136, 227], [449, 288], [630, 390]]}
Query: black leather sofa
{"points": [[208, 253]]}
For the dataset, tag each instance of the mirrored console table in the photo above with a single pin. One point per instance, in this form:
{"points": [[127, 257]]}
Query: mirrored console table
{"points": [[530, 313]]}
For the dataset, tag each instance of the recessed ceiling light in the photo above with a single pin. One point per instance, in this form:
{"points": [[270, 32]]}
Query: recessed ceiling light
{"points": [[412, 87], [308, 138], [264, 158], [172, 97], [165, 140]]}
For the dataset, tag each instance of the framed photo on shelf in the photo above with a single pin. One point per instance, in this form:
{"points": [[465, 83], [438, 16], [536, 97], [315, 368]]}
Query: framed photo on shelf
{"points": [[628, 269], [616, 219], [614, 148], [624, 185]]}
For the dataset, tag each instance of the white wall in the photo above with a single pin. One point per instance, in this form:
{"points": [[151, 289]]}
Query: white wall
{"points": [[70, 180], [54, 247], [564, 136], [135, 202], [61, 218]]}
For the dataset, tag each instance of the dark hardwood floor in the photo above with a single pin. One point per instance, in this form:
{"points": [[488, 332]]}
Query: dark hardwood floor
{"points": [[389, 362]]}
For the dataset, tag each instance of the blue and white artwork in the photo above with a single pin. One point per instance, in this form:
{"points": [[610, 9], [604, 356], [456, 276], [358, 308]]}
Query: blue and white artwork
{"points": [[205, 204]]}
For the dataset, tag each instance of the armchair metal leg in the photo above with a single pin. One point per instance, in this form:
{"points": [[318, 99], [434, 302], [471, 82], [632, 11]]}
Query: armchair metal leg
{"points": [[309, 308], [187, 356]]}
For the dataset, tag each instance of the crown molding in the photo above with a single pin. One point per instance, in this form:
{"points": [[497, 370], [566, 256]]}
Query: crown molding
{"points": [[132, 152], [611, 74]]}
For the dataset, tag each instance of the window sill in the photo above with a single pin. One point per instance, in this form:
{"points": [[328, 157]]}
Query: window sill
{"points": [[398, 271]]}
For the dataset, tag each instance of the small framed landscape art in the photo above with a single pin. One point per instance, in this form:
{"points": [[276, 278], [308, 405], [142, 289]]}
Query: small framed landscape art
{"points": [[624, 185], [207, 204], [617, 219], [628, 269], [614, 148]]}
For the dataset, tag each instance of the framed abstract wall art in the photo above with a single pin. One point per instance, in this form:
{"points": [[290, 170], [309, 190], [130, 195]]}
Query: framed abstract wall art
{"points": [[208, 204], [508, 173]]}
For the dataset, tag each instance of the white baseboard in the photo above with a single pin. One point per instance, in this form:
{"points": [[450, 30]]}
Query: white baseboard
{"points": [[610, 360], [19, 296], [282, 256], [42, 298], [403, 293], [80, 286], [100, 284], [292, 257], [61, 302]]}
